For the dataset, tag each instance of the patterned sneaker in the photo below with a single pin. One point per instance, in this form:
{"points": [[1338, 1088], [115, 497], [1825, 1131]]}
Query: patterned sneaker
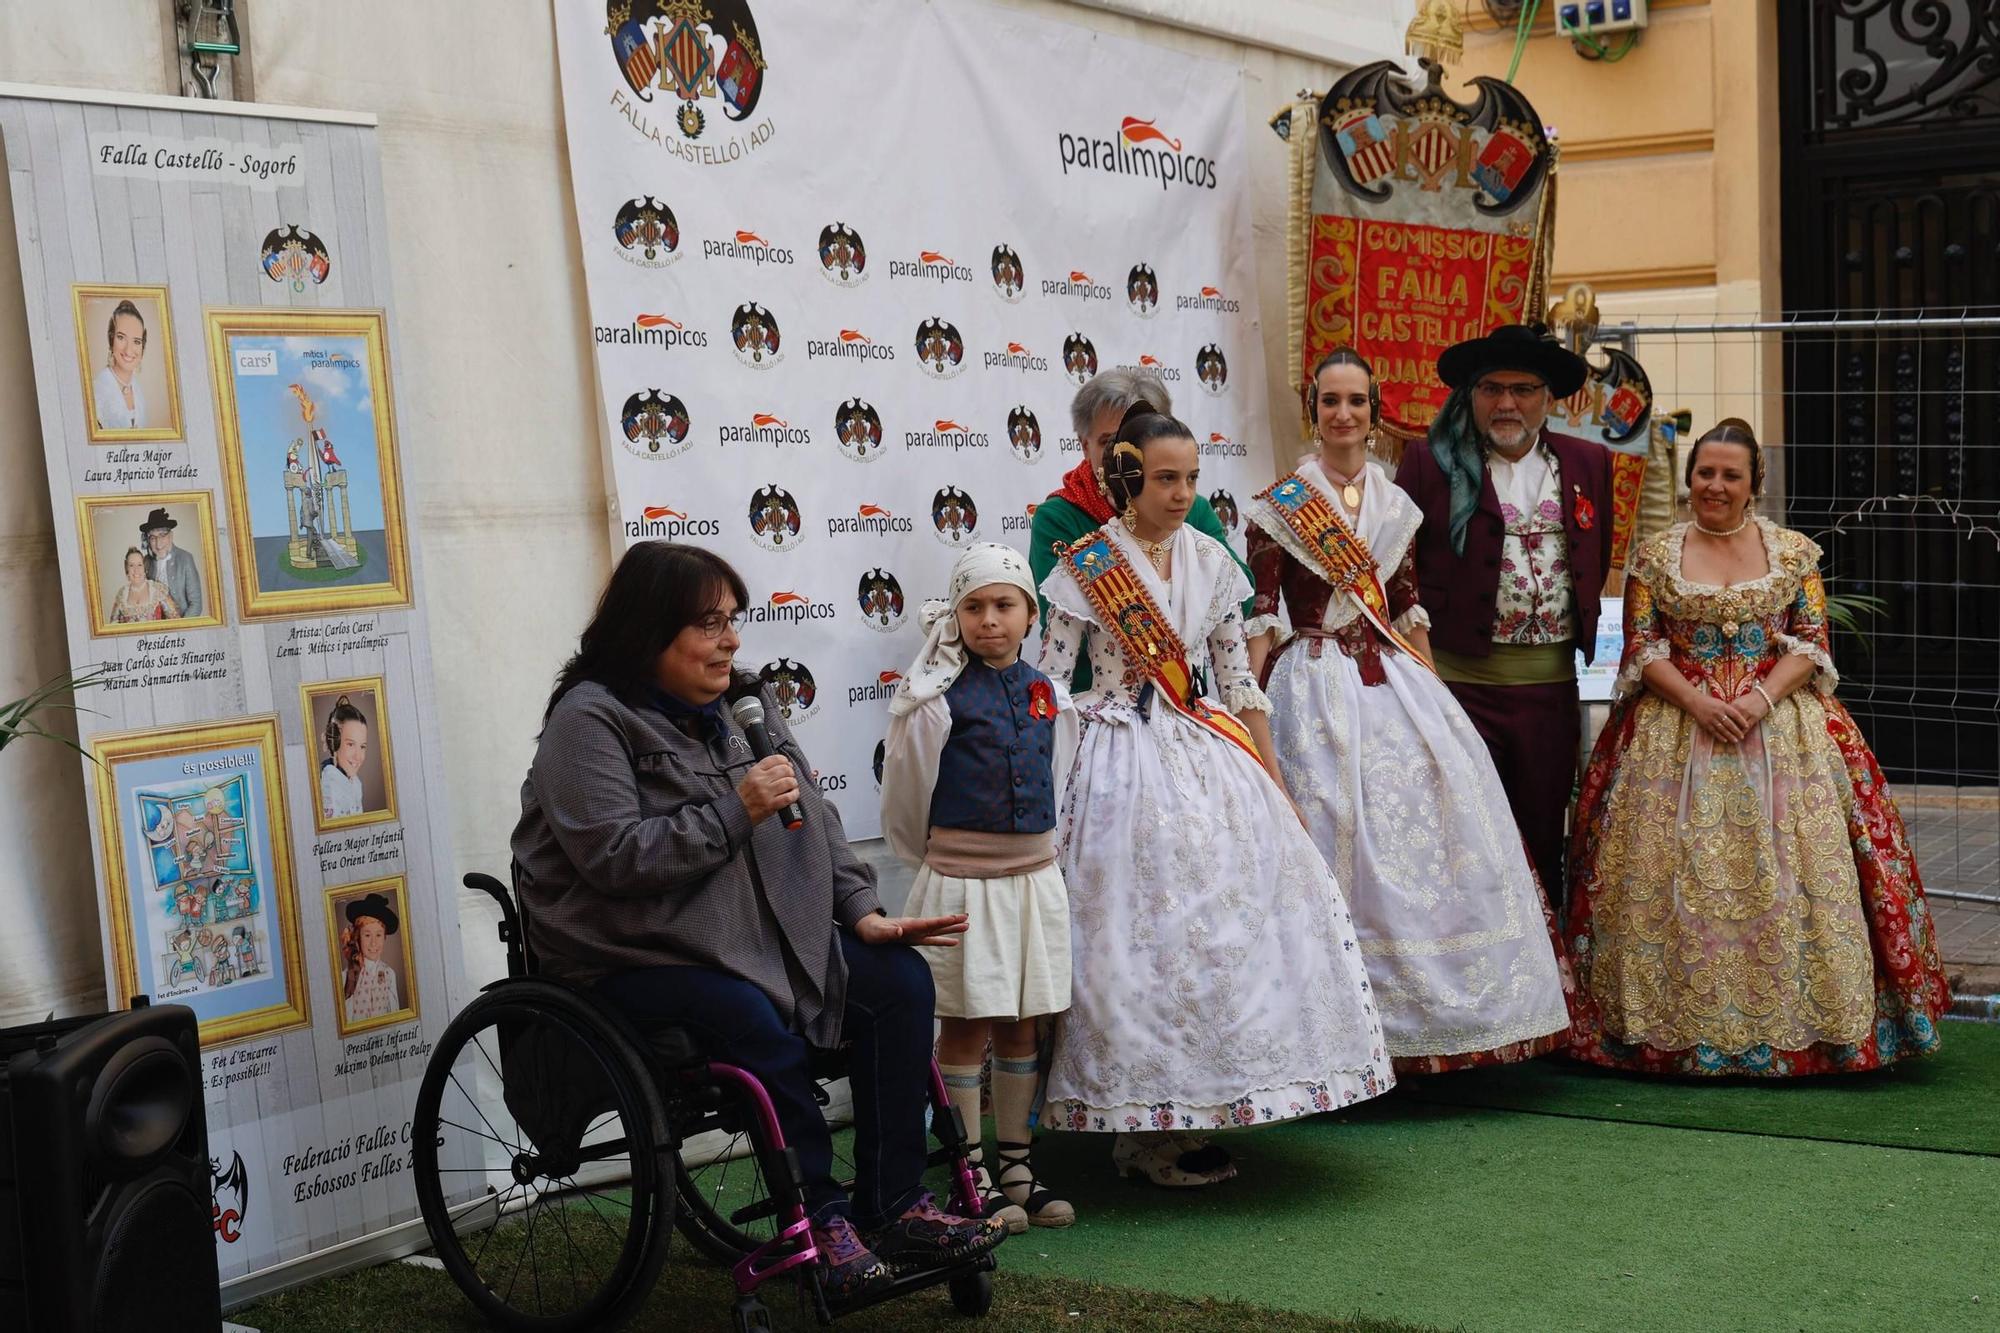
{"points": [[925, 1236], [847, 1268]]}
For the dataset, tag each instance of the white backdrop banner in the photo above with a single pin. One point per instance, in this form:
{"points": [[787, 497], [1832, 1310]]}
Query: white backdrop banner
{"points": [[847, 266], [206, 289]]}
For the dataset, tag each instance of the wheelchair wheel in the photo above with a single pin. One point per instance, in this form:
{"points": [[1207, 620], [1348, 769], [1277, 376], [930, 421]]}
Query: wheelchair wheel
{"points": [[732, 1191], [972, 1294], [541, 1155]]}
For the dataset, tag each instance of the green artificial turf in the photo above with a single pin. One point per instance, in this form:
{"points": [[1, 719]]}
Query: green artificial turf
{"points": [[1948, 1101]]}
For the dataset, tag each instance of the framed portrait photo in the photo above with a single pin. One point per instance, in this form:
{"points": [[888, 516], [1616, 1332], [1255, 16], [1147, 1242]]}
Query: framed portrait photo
{"points": [[372, 964], [347, 745], [198, 874], [308, 441], [125, 347], [149, 562]]}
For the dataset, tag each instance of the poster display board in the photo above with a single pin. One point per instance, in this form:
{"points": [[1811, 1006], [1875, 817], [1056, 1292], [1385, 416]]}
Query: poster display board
{"points": [[207, 291], [839, 321]]}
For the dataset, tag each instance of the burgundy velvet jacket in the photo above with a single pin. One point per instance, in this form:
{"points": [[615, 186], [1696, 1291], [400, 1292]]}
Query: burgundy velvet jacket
{"points": [[1461, 592]]}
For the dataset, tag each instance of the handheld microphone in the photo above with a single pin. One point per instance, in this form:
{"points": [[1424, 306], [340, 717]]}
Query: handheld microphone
{"points": [[749, 713]]}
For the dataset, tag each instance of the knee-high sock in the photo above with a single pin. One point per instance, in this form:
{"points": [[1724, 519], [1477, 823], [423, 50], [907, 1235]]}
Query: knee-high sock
{"points": [[962, 1083], [1013, 1098]]}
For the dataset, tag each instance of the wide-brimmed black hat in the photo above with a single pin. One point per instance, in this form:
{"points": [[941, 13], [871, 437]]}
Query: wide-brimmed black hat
{"points": [[159, 518], [374, 905], [1524, 347]]}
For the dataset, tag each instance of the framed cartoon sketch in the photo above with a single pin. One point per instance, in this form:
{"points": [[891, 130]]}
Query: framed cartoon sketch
{"points": [[198, 874], [149, 561], [347, 747], [308, 441], [125, 347], [371, 962]]}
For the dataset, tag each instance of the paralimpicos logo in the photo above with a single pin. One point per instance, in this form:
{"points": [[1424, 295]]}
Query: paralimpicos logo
{"points": [[1140, 148], [946, 434], [765, 428], [668, 523], [1219, 445], [882, 687], [651, 330], [930, 266], [869, 520], [788, 608], [647, 232], [749, 247], [1147, 361], [1209, 298], [655, 424], [1016, 357], [850, 345], [774, 519], [1079, 285], [704, 57]]}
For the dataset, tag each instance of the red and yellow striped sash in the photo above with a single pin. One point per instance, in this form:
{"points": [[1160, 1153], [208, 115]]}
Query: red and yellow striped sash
{"points": [[1344, 559]]}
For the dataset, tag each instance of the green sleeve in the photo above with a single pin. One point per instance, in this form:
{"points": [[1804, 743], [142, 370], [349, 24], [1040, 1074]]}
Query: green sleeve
{"points": [[1057, 522], [1202, 519]]}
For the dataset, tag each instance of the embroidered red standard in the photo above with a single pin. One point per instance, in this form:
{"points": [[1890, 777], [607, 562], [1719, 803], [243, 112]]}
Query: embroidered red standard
{"points": [[1041, 700]]}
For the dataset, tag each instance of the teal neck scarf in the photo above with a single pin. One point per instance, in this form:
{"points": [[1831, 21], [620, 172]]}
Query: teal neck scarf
{"points": [[1455, 443]]}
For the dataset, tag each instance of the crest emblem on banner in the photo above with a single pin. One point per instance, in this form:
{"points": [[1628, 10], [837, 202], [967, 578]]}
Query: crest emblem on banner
{"points": [[1009, 278], [1024, 434], [1079, 356], [696, 52], [1142, 291], [1425, 221], [954, 516], [647, 232], [655, 424], [295, 255], [792, 685], [881, 598], [754, 331], [940, 349], [774, 519], [858, 427], [842, 256], [1211, 368]]}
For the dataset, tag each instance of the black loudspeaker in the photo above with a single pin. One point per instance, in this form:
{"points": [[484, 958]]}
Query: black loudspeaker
{"points": [[106, 1207]]}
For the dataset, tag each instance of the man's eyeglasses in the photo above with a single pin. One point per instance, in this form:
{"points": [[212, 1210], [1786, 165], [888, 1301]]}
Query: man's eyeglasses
{"points": [[1521, 391], [712, 624]]}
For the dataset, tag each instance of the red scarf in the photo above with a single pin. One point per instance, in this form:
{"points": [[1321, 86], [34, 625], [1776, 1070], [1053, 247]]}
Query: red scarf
{"points": [[1080, 489]]}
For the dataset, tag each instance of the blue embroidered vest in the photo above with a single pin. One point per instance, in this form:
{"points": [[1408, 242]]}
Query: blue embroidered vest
{"points": [[997, 773]]}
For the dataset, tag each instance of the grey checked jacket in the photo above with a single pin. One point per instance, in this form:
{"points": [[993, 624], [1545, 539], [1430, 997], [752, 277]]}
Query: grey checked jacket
{"points": [[634, 850]]}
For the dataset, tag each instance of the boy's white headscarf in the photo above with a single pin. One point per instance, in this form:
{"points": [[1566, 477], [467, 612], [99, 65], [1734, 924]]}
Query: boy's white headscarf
{"points": [[943, 655]]}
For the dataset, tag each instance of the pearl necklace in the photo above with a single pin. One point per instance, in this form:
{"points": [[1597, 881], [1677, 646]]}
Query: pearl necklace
{"points": [[1730, 533]]}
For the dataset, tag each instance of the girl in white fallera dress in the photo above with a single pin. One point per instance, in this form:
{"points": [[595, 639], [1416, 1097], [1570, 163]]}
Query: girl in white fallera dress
{"points": [[1218, 982], [1397, 787], [979, 742], [368, 986]]}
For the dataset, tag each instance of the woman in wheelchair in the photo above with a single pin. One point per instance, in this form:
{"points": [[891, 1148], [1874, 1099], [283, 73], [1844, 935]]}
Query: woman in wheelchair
{"points": [[652, 869]]}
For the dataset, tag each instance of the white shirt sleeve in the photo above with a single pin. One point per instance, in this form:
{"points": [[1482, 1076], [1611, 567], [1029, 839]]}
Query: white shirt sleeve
{"points": [[910, 756]]}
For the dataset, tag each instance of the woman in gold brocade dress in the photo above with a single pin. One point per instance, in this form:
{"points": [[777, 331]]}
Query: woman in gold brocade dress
{"points": [[1743, 897]]}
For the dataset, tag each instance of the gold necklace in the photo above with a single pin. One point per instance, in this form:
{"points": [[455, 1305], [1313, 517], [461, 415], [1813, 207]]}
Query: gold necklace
{"points": [[1158, 553], [1350, 493]]}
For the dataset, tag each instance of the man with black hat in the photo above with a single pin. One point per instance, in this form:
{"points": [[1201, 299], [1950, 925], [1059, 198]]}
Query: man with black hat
{"points": [[170, 565], [1511, 558]]}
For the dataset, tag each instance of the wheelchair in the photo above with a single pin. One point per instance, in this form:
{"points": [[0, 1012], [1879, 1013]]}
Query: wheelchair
{"points": [[555, 1146]]}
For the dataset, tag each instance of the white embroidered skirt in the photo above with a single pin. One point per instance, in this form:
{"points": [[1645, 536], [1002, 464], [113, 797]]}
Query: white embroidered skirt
{"points": [[1218, 982], [1402, 797], [1013, 960]]}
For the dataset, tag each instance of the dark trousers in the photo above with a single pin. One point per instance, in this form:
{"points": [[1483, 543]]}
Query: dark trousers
{"points": [[1533, 732], [888, 1023]]}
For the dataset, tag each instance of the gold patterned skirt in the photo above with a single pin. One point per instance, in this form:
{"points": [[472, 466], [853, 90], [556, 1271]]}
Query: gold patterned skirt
{"points": [[1748, 908]]}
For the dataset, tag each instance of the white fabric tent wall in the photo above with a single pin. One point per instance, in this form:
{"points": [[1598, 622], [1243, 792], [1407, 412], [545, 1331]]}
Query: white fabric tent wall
{"points": [[497, 403]]}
